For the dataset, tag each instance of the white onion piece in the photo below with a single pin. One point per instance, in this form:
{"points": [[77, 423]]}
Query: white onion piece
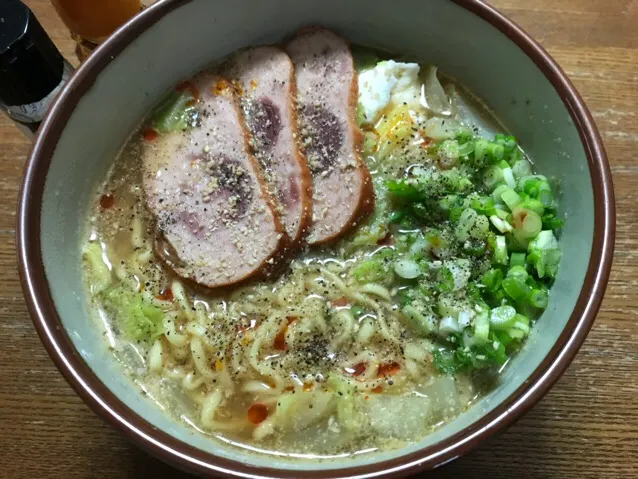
{"points": [[449, 325], [420, 245], [522, 168], [508, 176], [464, 319], [408, 269], [501, 225]]}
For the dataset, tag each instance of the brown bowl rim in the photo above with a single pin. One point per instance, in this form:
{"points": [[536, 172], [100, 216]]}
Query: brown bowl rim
{"points": [[187, 457]]}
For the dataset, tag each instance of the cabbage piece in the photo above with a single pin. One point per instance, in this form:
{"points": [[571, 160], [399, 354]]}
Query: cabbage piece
{"points": [[404, 417], [433, 96], [134, 317], [471, 113], [376, 268], [172, 112], [375, 227], [444, 398], [101, 276], [440, 129], [346, 411], [419, 317], [298, 411]]}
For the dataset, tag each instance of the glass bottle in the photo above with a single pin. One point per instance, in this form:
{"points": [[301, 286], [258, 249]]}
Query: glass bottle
{"points": [[32, 70]]}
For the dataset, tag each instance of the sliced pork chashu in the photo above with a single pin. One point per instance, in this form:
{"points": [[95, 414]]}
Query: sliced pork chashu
{"points": [[215, 217], [265, 78], [327, 99]]}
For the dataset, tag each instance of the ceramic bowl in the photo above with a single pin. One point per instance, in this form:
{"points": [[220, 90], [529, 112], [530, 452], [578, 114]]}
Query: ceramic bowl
{"points": [[112, 91]]}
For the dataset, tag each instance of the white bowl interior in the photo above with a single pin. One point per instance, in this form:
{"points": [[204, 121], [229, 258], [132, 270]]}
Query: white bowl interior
{"points": [[437, 31]]}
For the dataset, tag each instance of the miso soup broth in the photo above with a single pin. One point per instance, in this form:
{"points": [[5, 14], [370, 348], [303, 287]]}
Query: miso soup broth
{"points": [[367, 343]]}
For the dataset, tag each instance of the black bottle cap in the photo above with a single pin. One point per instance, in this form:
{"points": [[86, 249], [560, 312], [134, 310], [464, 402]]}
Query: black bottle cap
{"points": [[30, 64]]}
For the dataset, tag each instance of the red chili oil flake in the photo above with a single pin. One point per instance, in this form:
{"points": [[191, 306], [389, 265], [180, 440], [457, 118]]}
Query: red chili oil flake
{"points": [[165, 295], [257, 413], [149, 134], [377, 390], [356, 370], [388, 369], [107, 201], [280, 339], [189, 87], [308, 387], [340, 302]]}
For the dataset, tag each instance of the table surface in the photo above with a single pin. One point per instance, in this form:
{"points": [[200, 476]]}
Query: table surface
{"points": [[587, 426]]}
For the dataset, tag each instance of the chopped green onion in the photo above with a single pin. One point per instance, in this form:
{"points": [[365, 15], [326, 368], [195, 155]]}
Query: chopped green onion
{"points": [[550, 222], [533, 204], [522, 168], [498, 191], [520, 329], [502, 214], [465, 224], [481, 327], [493, 176], [545, 194], [464, 135], [449, 149], [481, 228], [538, 298], [501, 225], [518, 271], [516, 288], [530, 184], [402, 189], [446, 280], [527, 222], [517, 259], [502, 318], [508, 176], [465, 149], [495, 152], [510, 198], [544, 260], [544, 241], [480, 150], [492, 279], [483, 205], [504, 338], [500, 250]]}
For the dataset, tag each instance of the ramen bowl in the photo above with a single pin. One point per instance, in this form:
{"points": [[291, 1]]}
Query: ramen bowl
{"points": [[117, 86]]}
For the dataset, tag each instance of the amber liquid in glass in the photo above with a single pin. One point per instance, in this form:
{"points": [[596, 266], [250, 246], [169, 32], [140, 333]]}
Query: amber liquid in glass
{"points": [[94, 20]]}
